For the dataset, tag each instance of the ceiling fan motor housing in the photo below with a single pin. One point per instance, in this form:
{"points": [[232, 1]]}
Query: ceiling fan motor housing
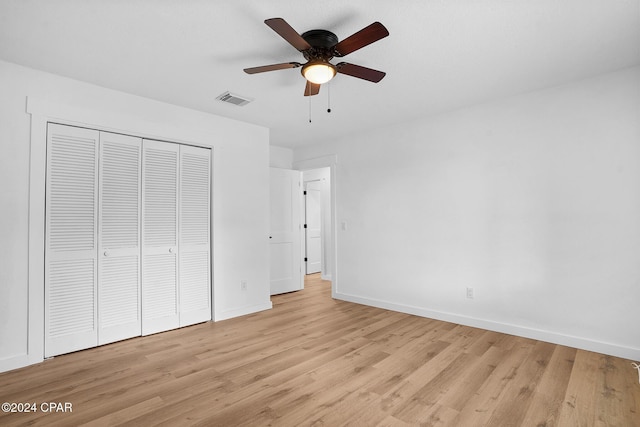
{"points": [[322, 43]]}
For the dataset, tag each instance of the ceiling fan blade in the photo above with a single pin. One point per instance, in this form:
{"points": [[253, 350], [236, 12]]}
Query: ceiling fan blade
{"points": [[360, 72], [285, 31], [362, 38], [311, 89], [273, 67]]}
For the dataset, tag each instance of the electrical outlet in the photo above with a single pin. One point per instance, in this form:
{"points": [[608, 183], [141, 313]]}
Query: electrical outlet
{"points": [[243, 285], [470, 293]]}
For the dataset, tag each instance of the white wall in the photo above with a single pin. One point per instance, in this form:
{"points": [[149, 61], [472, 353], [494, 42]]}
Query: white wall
{"points": [[240, 166], [534, 201], [280, 157]]}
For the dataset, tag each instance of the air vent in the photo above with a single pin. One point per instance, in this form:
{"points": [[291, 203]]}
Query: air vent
{"points": [[234, 99]]}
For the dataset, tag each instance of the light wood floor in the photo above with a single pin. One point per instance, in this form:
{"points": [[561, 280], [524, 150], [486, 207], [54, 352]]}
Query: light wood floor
{"points": [[316, 361]]}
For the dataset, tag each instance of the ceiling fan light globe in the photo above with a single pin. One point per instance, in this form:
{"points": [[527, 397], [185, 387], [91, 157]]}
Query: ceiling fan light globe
{"points": [[318, 72]]}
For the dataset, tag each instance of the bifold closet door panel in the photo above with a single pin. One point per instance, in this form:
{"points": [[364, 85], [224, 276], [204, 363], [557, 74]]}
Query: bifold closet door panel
{"points": [[71, 217], [160, 309], [194, 231], [128, 239], [119, 269]]}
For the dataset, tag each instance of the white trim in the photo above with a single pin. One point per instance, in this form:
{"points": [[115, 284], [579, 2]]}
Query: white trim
{"points": [[243, 311], [316, 163], [109, 121], [505, 328], [42, 112], [330, 161]]}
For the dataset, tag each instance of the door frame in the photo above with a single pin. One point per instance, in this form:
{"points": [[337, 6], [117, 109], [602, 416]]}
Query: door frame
{"points": [[305, 231], [41, 113], [330, 161]]}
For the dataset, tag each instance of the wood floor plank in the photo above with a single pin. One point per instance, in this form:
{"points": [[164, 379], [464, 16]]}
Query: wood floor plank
{"points": [[426, 397], [475, 374], [519, 391], [581, 403], [312, 360], [549, 394], [480, 407]]}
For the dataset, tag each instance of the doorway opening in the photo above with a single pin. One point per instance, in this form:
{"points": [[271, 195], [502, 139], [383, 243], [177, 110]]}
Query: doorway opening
{"points": [[291, 259], [317, 236]]}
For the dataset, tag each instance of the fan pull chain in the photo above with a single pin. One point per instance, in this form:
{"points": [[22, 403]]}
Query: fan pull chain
{"points": [[309, 109], [329, 97]]}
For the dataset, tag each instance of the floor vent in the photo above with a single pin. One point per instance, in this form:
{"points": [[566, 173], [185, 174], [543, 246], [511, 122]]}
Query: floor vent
{"points": [[234, 99]]}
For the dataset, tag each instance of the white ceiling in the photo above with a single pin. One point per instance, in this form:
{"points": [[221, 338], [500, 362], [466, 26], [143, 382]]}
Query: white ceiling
{"points": [[441, 54]]}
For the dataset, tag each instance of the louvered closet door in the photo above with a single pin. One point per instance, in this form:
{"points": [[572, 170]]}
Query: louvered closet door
{"points": [[71, 239], [119, 238], [159, 236], [194, 248]]}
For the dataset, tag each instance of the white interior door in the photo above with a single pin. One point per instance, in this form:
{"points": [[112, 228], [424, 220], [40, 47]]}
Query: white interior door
{"points": [[313, 228], [71, 239], [194, 245], [285, 236], [159, 237], [119, 238]]}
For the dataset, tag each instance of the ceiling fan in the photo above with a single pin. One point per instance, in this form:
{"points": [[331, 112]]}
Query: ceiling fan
{"points": [[318, 47]]}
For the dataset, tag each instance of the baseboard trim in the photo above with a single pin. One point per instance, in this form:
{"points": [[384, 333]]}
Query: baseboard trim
{"points": [[629, 353], [19, 361], [242, 311]]}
